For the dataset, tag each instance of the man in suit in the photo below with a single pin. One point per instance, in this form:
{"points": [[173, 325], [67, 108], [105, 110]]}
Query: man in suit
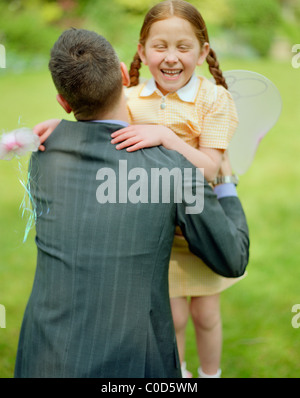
{"points": [[99, 305]]}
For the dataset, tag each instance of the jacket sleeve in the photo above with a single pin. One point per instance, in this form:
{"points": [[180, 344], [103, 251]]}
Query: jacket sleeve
{"points": [[218, 232]]}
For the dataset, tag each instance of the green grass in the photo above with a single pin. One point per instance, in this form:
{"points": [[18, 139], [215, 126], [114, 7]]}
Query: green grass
{"points": [[259, 340]]}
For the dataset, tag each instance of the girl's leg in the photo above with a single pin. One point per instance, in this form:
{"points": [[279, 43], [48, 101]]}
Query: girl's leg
{"points": [[180, 313], [206, 317]]}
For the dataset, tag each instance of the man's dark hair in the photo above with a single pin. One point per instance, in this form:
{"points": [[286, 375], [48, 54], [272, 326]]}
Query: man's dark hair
{"points": [[86, 72]]}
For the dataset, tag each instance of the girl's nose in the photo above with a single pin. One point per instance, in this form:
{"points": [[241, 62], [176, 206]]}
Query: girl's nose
{"points": [[171, 58]]}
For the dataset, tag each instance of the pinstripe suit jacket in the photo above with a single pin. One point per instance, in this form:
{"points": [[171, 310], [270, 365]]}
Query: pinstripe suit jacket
{"points": [[99, 305]]}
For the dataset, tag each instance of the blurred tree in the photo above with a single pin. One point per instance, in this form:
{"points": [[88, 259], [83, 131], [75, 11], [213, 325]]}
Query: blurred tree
{"points": [[51, 12], [290, 19], [136, 6], [28, 34], [215, 12], [118, 24], [35, 24], [255, 22], [31, 26]]}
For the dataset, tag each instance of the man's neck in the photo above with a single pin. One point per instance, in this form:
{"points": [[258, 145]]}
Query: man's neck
{"points": [[119, 112]]}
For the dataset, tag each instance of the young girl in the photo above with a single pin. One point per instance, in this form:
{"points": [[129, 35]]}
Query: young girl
{"points": [[173, 42]]}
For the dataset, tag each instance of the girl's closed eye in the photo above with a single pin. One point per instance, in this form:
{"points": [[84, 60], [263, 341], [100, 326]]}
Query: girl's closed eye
{"points": [[160, 47], [183, 48], [185, 45]]}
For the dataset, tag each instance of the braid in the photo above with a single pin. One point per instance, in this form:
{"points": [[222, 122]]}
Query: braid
{"points": [[134, 70], [214, 69]]}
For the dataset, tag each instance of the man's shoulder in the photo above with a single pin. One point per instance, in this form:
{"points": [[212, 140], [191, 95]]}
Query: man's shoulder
{"points": [[91, 129], [72, 133], [168, 158]]}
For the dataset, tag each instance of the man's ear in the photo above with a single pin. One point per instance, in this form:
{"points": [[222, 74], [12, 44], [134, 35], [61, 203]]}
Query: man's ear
{"points": [[204, 53], [125, 75], [141, 52], [62, 102]]}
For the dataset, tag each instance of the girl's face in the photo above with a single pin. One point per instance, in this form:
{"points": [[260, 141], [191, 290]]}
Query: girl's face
{"points": [[172, 52]]}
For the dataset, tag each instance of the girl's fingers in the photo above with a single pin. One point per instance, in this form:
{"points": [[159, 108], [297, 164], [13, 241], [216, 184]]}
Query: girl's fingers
{"points": [[135, 147], [121, 132], [127, 143], [122, 137], [43, 135], [38, 129]]}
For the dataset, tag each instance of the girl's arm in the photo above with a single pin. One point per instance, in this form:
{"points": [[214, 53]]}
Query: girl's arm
{"points": [[209, 159], [142, 136], [44, 129]]}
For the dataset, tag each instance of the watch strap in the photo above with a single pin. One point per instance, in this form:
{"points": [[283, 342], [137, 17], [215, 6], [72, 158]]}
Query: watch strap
{"points": [[233, 179]]}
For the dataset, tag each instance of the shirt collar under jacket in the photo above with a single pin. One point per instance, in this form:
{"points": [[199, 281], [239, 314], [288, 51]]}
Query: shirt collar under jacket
{"points": [[187, 93], [121, 122]]}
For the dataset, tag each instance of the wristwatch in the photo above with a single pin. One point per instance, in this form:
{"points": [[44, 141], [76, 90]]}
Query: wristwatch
{"points": [[233, 179]]}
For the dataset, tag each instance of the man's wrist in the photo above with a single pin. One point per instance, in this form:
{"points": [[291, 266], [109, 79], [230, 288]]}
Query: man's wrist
{"points": [[225, 190], [228, 179]]}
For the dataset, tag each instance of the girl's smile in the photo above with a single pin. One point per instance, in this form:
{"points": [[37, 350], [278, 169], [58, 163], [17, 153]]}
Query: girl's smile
{"points": [[172, 52], [171, 74]]}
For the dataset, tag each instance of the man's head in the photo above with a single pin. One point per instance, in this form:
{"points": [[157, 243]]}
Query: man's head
{"points": [[86, 72]]}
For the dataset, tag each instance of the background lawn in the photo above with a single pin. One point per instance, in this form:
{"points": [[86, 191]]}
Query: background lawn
{"points": [[259, 340]]}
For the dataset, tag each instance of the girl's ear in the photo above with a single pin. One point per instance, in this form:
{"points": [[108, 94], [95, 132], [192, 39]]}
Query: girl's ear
{"points": [[204, 53], [141, 52], [63, 103], [125, 75]]}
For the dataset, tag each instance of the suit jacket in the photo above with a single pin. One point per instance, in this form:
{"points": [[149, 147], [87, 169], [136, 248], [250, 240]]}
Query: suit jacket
{"points": [[99, 305]]}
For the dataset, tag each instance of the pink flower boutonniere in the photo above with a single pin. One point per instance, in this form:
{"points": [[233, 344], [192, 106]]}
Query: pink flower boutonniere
{"points": [[17, 143]]}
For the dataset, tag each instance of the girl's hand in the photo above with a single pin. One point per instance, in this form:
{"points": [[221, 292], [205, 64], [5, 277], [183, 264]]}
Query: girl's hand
{"points": [[44, 129], [142, 136]]}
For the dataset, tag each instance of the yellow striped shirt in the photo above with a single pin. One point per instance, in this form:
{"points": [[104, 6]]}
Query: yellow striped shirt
{"points": [[201, 113]]}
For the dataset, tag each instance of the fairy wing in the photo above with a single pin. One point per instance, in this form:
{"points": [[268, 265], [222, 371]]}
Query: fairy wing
{"points": [[258, 103]]}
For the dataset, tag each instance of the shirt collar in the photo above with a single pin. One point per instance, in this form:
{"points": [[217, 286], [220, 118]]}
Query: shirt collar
{"points": [[187, 93], [121, 122]]}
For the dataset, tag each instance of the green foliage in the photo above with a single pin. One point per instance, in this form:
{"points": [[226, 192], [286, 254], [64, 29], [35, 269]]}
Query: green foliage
{"points": [[25, 30], [120, 26], [255, 21], [214, 12], [51, 12], [291, 20], [29, 28], [135, 6]]}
